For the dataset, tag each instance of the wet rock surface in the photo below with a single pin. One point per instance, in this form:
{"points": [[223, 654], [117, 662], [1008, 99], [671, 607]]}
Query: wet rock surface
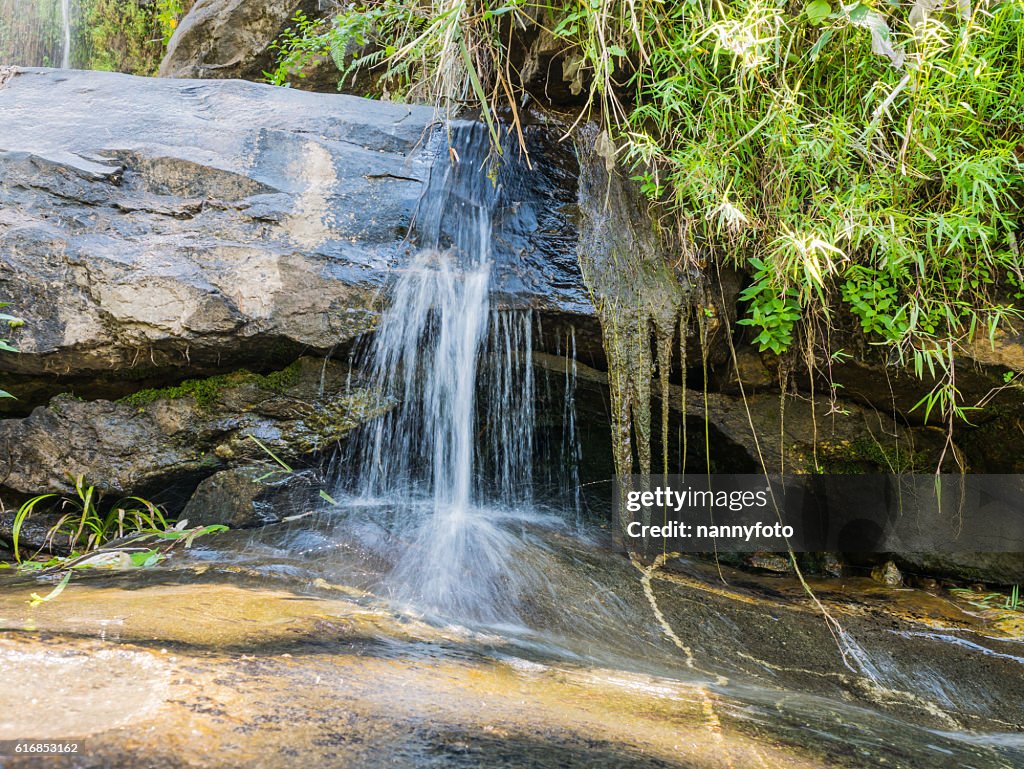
{"points": [[90, 688], [253, 495], [761, 432], [180, 435], [998, 568], [34, 533], [161, 224], [249, 645]]}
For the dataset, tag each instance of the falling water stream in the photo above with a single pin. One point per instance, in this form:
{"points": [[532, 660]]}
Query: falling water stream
{"points": [[451, 521], [37, 33], [65, 16]]}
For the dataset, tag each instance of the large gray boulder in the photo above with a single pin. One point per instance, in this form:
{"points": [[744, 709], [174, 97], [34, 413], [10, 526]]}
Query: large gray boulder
{"points": [[229, 38], [148, 224], [161, 222]]}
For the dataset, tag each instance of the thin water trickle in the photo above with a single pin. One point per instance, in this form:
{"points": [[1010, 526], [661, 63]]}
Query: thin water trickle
{"points": [[510, 408], [37, 33], [571, 451], [65, 14]]}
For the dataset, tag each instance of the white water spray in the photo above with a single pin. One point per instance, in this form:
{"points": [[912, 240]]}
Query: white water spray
{"points": [[448, 512]]}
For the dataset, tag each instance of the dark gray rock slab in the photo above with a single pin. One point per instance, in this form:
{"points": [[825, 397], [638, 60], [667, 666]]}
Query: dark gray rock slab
{"points": [[150, 223], [165, 222], [253, 495]]}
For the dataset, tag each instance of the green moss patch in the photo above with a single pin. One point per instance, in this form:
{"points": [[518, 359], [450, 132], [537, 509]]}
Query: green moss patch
{"points": [[207, 392]]}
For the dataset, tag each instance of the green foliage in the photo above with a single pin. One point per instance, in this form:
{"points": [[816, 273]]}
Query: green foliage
{"points": [[127, 35], [992, 600], [207, 392], [83, 525], [775, 316], [862, 156], [298, 46], [123, 37], [141, 550], [859, 155], [817, 11], [308, 41], [5, 345], [168, 14], [133, 533], [450, 52]]}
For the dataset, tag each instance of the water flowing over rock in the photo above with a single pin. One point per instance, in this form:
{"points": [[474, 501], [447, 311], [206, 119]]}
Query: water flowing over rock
{"points": [[443, 522], [160, 223], [160, 229]]}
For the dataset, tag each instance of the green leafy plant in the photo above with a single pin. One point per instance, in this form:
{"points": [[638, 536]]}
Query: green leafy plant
{"points": [[992, 600], [131, 534], [297, 47], [140, 550], [858, 157], [309, 41], [168, 14], [774, 316], [1013, 599], [123, 36], [449, 52], [858, 161], [84, 525]]}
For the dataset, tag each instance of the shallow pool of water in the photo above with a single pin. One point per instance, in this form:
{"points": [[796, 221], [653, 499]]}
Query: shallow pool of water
{"points": [[285, 647]]}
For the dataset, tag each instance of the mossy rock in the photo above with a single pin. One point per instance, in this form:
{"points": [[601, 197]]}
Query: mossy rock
{"points": [[183, 433]]}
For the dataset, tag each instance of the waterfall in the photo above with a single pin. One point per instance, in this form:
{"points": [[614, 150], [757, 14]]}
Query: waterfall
{"points": [[36, 33], [448, 510], [510, 405], [425, 355], [571, 452], [65, 13]]}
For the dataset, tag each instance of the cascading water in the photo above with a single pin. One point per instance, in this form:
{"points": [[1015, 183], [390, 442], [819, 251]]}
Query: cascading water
{"points": [[571, 454], [37, 33], [65, 15], [509, 415], [453, 521]]}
